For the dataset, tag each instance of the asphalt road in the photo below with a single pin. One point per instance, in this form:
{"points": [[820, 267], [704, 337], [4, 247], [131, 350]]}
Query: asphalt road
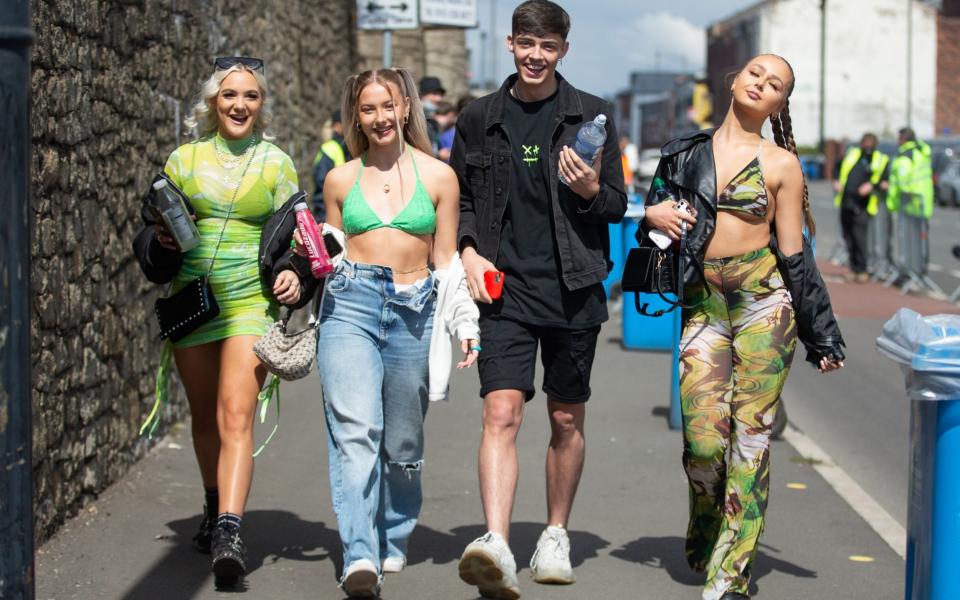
{"points": [[627, 528], [860, 415]]}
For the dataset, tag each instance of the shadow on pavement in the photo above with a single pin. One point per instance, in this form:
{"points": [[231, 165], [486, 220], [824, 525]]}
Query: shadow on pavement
{"points": [[442, 547], [270, 535], [668, 553]]}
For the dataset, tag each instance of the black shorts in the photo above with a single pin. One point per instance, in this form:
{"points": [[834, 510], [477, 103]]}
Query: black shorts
{"points": [[508, 359]]}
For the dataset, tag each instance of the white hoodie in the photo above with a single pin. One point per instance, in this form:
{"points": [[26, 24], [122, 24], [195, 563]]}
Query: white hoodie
{"points": [[456, 317]]}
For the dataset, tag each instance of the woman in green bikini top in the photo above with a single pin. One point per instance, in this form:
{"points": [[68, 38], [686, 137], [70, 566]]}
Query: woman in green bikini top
{"points": [[380, 314], [235, 179]]}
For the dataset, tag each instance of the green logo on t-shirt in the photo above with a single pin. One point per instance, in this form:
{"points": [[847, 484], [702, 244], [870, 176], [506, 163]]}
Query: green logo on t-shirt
{"points": [[531, 154]]}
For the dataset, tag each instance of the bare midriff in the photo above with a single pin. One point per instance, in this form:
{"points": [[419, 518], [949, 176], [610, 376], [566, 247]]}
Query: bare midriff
{"points": [[738, 233], [406, 254]]}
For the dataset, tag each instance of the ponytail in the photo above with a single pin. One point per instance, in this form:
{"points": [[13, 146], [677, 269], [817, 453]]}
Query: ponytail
{"points": [[783, 136]]}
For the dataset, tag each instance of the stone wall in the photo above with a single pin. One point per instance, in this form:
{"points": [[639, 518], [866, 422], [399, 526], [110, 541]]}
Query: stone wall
{"points": [[111, 83], [437, 51]]}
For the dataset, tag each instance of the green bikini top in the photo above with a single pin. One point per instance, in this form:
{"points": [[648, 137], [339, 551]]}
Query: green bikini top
{"points": [[418, 217]]}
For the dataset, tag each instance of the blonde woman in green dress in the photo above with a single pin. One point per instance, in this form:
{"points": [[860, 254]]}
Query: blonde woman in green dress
{"points": [[235, 180]]}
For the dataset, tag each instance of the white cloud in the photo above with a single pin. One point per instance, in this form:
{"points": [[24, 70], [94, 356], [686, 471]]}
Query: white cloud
{"points": [[678, 42]]}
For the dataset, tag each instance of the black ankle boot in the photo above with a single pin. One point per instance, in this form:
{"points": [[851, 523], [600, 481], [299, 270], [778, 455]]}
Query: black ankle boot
{"points": [[229, 556], [204, 536]]}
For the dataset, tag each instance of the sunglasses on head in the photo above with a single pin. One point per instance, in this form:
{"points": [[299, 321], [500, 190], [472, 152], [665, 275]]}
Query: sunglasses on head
{"points": [[225, 62]]}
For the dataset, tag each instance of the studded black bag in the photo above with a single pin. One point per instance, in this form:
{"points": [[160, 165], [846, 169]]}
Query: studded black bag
{"points": [[193, 305], [188, 309]]}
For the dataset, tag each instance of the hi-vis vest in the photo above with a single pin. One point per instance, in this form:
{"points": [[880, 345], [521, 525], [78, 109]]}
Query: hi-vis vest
{"points": [[877, 164], [334, 150], [911, 181]]}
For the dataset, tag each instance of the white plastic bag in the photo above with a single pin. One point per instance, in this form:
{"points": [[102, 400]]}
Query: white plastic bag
{"points": [[927, 350]]}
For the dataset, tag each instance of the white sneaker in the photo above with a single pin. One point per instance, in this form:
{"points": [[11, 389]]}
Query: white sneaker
{"points": [[361, 580], [394, 564], [551, 560], [488, 564]]}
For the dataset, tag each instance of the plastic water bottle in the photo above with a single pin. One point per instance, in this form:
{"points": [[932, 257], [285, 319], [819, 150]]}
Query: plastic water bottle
{"points": [[320, 264], [175, 217], [590, 140]]}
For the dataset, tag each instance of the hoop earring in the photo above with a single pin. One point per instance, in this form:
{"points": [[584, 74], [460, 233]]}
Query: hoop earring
{"points": [[358, 126]]}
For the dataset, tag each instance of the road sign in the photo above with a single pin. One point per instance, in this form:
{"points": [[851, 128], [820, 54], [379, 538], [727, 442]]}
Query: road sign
{"points": [[453, 13], [387, 14]]}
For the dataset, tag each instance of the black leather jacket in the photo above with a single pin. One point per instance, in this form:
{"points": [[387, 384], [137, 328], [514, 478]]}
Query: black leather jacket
{"points": [[481, 159], [687, 169]]}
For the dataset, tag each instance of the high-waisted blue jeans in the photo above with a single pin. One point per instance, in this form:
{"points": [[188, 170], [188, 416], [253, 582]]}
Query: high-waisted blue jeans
{"points": [[372, 354]]}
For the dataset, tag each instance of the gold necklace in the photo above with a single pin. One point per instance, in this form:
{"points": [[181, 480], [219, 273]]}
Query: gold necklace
{"points": [[227, 159]]}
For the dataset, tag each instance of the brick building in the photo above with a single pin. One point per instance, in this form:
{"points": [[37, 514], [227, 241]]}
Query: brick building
{"points": [[948, 69]]}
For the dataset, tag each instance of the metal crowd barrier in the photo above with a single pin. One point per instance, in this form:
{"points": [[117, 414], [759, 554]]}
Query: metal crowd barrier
{"points": [[880, 261], [913, 254]]}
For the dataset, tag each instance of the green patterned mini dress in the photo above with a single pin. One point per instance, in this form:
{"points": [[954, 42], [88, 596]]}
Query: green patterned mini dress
{"points": [[209, 171]]}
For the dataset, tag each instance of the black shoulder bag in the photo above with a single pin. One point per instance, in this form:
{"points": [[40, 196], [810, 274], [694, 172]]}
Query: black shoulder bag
{"points": [[195, 304], [650, 270]]}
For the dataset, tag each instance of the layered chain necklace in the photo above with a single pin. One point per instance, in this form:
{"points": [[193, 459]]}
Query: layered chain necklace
{"points": [[227, 159]]}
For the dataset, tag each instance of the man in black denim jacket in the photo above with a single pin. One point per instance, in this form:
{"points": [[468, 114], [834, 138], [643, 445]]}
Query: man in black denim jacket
{"points": [[551, 241]]}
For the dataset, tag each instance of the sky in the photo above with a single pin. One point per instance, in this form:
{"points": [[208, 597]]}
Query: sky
{"points": [[610, 38]]}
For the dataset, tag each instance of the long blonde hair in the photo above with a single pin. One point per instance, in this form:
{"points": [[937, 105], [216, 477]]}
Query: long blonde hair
{"points": [[203, 118], [400, 84]]}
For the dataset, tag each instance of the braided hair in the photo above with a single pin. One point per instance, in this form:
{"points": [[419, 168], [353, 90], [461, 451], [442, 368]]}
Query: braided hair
{"points": [[783, 136]]}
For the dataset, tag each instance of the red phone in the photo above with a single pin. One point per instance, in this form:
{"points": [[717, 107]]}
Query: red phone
{"points": [[493, 281]]}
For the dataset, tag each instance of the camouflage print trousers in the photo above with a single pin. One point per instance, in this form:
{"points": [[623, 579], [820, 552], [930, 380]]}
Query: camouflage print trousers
{"points": [[735, 353]]}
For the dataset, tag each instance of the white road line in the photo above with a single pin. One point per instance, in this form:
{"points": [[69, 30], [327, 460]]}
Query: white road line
{"points": [[935, 268], [859, 500]]}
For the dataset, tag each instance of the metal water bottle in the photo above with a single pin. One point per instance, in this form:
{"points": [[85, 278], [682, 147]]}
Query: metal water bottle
{"points": [[320, 264]]}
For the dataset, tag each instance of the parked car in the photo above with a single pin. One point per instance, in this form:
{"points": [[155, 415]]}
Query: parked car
{"points": [[945, 161], [948, 183], [647, 165]]}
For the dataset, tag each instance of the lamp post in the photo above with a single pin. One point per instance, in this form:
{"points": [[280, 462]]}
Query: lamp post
{"points": [[909, 61], [16, 461], [494, 66], [823, 74]]}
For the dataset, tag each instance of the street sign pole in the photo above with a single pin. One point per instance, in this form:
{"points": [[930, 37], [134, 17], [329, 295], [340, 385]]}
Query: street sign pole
{"points": [[387, 48], [16, 423]]}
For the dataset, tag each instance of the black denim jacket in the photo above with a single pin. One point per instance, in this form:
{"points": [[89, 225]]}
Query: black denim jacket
{"points": [[688, 171], [481, 160]]}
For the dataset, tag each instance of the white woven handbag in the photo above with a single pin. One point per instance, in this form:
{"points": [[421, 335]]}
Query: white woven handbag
{"points": [[289, 356]]}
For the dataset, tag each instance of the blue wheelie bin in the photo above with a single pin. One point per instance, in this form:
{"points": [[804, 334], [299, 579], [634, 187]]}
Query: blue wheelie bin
{"points": [[617, 252], [928, 351], [651, 333], [640, 332]]}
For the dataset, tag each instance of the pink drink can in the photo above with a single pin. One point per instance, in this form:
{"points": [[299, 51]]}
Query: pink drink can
{"points": [[320, 264]]}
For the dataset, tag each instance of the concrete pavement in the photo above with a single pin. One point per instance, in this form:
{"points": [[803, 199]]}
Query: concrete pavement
{"points": [[627, 528]]}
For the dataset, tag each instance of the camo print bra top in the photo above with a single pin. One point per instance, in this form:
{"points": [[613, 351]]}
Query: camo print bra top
{"points": [[747, 191]]}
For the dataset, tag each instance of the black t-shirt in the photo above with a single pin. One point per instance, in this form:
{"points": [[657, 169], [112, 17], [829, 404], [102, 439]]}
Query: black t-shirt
{"points": [[534, 292]]}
